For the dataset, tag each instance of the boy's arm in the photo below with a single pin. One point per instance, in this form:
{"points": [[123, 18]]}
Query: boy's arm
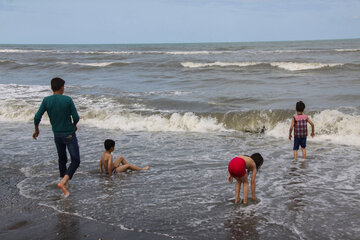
{"points": [[110, 165], [291, 128], [37, 119], [253, 184], [312, 127], [101, 167]]}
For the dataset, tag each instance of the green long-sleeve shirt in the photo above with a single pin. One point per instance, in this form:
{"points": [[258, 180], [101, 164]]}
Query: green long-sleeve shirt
{"points": [[60, 109]]}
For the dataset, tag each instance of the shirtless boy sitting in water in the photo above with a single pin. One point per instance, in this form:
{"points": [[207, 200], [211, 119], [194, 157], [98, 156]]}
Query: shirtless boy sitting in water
{"points": [[237, 169], [109, 166]]}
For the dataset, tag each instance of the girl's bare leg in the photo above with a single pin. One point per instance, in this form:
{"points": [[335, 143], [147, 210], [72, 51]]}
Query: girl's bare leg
{"points": [[246, 192], [237, 191]]}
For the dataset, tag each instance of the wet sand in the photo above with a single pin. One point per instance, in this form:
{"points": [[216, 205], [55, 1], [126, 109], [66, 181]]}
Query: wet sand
{"points": [[23, 218]]}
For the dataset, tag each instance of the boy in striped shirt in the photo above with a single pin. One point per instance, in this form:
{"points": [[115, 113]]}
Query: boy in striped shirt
{"points": [[299, 124]]}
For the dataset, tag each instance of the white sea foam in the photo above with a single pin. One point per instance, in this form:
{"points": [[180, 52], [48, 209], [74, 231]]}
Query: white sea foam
{"points": [[330, 126], [348, 50], [126, 121], [19, 103], [198, 52], [294, 66], [26, 51], [176, 122], [160, 93], [96, 64], [219, 64], [6, 61], [290, 66]]}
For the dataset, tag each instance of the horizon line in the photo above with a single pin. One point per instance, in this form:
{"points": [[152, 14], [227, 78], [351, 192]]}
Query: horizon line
{"points": [[158, 43]]}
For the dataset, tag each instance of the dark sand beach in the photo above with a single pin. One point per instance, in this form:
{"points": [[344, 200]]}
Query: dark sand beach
{"points": [[23, 218]]}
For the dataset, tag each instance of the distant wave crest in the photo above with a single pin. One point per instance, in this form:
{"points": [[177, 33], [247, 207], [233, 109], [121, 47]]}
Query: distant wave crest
{"points": [[95, 64], [290, 66]]}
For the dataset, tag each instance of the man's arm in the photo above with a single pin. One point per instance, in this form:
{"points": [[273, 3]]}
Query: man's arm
{"points": [[291, 127], [37, 119], [312, 127], [74, 114]]}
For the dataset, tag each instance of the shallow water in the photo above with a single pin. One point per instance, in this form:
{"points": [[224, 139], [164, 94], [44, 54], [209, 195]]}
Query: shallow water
{"points": [[185, 193], [186, 111]]}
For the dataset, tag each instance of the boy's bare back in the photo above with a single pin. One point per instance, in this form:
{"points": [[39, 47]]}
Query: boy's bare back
{"points": [[106, 162]]}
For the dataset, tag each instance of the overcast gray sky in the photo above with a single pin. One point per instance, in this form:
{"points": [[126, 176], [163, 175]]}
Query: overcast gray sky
{"points": [[176, 21]]}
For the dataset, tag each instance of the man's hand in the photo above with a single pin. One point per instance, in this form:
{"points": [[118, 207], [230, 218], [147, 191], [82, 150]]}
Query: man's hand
{"points": [[36, 134]]}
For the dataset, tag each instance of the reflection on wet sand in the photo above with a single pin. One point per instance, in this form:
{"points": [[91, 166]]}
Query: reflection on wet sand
{"points": [[68, 226], [241, 224], [296, 187]]}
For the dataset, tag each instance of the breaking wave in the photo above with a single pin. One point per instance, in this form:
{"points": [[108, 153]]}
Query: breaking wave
{"points": [[19, 103]]}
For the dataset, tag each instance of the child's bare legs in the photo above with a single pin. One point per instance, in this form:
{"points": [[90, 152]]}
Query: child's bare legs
{"points": [[63, 184], [237, 191], [119, 160], [295, 154], [246, 192], [303, 152], [124, 167]]}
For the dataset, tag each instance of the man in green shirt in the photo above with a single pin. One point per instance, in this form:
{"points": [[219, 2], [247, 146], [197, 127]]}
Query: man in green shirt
{"points": [[63, 118]]}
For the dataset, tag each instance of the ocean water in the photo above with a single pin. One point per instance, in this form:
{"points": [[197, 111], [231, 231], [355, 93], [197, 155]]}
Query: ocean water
{"points": [[186, 110]]}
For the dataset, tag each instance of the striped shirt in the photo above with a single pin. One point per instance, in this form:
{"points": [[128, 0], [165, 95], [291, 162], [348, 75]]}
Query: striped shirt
{"points": [[300, 127]]}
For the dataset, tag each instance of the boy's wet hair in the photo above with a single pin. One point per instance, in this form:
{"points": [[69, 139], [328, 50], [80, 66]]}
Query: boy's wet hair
{"points": [[57, 83], [258, 159], [109, 143], [300, 106]]}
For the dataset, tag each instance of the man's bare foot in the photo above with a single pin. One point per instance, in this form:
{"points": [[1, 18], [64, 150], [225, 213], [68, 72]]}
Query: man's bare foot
{"points": [[61, 185], [146, 168]]}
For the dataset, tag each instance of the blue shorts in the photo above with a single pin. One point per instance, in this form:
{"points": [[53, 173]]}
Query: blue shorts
{"points": [[299, 142]]}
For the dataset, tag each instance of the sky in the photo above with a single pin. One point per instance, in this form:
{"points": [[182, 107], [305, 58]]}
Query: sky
{"points": [[175, 21]]}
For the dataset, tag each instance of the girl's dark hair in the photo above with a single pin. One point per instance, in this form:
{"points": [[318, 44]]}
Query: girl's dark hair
{"points": [[57, 83], [258, 159], [109, 143], [300, 106]]}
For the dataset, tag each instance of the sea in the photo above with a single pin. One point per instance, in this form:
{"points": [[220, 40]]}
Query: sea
{"points": [[186, 110]]}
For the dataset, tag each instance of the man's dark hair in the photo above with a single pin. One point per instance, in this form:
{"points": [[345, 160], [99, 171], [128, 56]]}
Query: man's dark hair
{"points": [[109, 143], [258, 159], [57, 83], [300, 106]]}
